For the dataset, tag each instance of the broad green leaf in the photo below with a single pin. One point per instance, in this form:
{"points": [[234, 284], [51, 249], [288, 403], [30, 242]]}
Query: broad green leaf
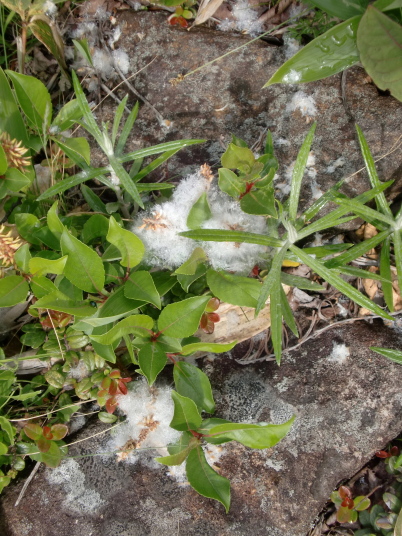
{"points": [[22, 257], [3, 161], [179, 451], [273, 276], [163, 282], [69, 114], [218, 235], [51, 458], [205, 480], [379, 40], [96, 204], [130, 246], [11, 120], [117, 304], [33, 431], [181, 319], [139, 325], [53, 221], [152, 360], [58, 301], [186, 415], [187, 280], [342, 9], [260, 202], [190, 266], [95, 227], [140, 286], [13, 290], [8, 429], [84, 268], [192, 383], [241, 158], [75, 148], [34, 99], [39, 266], [298, 172], [380, 199], [328, 54], [41, 286], [333, 279], [14, 180], [230, 183], [199, 212], [234, 289], [256, 436], [107, 418], [175, 459], [26, 225], [212, 347]]}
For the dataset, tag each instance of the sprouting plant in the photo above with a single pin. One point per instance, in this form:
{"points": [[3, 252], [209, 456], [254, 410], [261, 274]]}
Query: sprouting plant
{"points": [[349, 42], [347, 508], [312, 25]]}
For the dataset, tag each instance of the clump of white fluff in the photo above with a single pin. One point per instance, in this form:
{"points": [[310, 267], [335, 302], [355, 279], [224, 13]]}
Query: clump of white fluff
{"points": [[304, 103], [245, 19]]}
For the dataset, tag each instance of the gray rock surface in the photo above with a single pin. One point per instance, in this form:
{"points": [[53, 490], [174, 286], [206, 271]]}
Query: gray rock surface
{"points": [[347, 401], [227, 97]]}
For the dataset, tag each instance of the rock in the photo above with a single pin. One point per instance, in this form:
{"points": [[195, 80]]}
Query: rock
{"points": [[227, 97], [347, 401]]}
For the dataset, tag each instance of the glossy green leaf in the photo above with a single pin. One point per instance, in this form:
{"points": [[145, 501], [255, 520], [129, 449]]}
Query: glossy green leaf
{"points": [[51, 458], [117, 304], [96, 204], [26, 225], [218, 235], [256, 436], [342, 9], [34, 99], [199, 212], [14, 180], [33, 430], [186, 415], [68, 116], [230, 183], [190, 266], [13, 290], [84, 268], [394, 355], [6, 426], [75, 148], [379, 40], [181, 319], [140, 286], [234, 289], [11, 120], [22, 257], [192, 383], [260, 202], [152, 360], [96, 226], [205, 480], [328, 54], [41, 286], [130, 246], [186, 281], [53, 221], [175, 459], [236, 157], [57, 301], [179, 451], [337, 282], [39, 266], [139, 325], [212, 347]]}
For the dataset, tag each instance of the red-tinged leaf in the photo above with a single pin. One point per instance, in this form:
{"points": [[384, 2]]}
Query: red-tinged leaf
{"points": [[212, 305], [102, 393], [33, 431], [111, 405], [214, 317], [394, 451], [47, 433], [122, 388], [204, 321], [115, 373], [59, 431], [347, 503], [178, 21], [43, 444], [383, 454], [344, 492], [126, 380], [344, 515], [210, 327], [113, 388]]}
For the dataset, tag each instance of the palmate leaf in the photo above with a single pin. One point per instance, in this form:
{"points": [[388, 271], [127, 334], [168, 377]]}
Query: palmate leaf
{"points": [[205, 480]]}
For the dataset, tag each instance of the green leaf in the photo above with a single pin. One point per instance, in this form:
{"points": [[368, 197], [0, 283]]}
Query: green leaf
{"points": [[256, 436], [379, 40], [328, 54], [127, 128], [260, 202], [394, 355], [276, 318], [41, 286], [58, 301], [386, 5], [192, 383], [51, 458], [39, 266], [96, 204], [75, 148], [369, 214], [179, 451], [241, 158], [96, 226], [300, 282], [33, 431], [397, 239], [22, 257], [117, 118], [68, 116], [8, 429], [175, 459], [34, 99], [234, 289], [3, 161], [186, 281], [230, 183], [357, 251], [181, 319], [107, 418], [84, 268], [83, 48], [139, 325], [342, 9], [130, 246], [14, 180], [189, 267], [11, 120], [273, 276], [212, 347], [205, 480], [26, 225], [186, 415], [298, 172], [152, 360], [199, 212], [218, 235], [53, 221], [13, 290], [140, 286], [288, 314], [337, 282]]}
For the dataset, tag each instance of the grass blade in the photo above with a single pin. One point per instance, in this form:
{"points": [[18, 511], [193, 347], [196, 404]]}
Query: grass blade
{"points": [[273, 275], [276, 318], [397, 239], [369, 214], [117, 119], [128, 126], [357, 251], [218, 235], [385, 271], [288, 313], [154, 164]]}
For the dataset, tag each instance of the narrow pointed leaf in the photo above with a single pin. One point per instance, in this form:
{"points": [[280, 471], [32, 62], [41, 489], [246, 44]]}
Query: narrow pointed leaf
{"points": [[218, 235], [127, 128], [152, 360], [181, 319], [397, 239], [205, 480], [75, 148], [130, 246], [213, 347], [191, 382], [342, 9], [139, 325], [140, 286], [288, 314], [186, 415], [357, 251], [273, 275], [394, 355], [276, 318], [298, 172], [199, 212]]}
